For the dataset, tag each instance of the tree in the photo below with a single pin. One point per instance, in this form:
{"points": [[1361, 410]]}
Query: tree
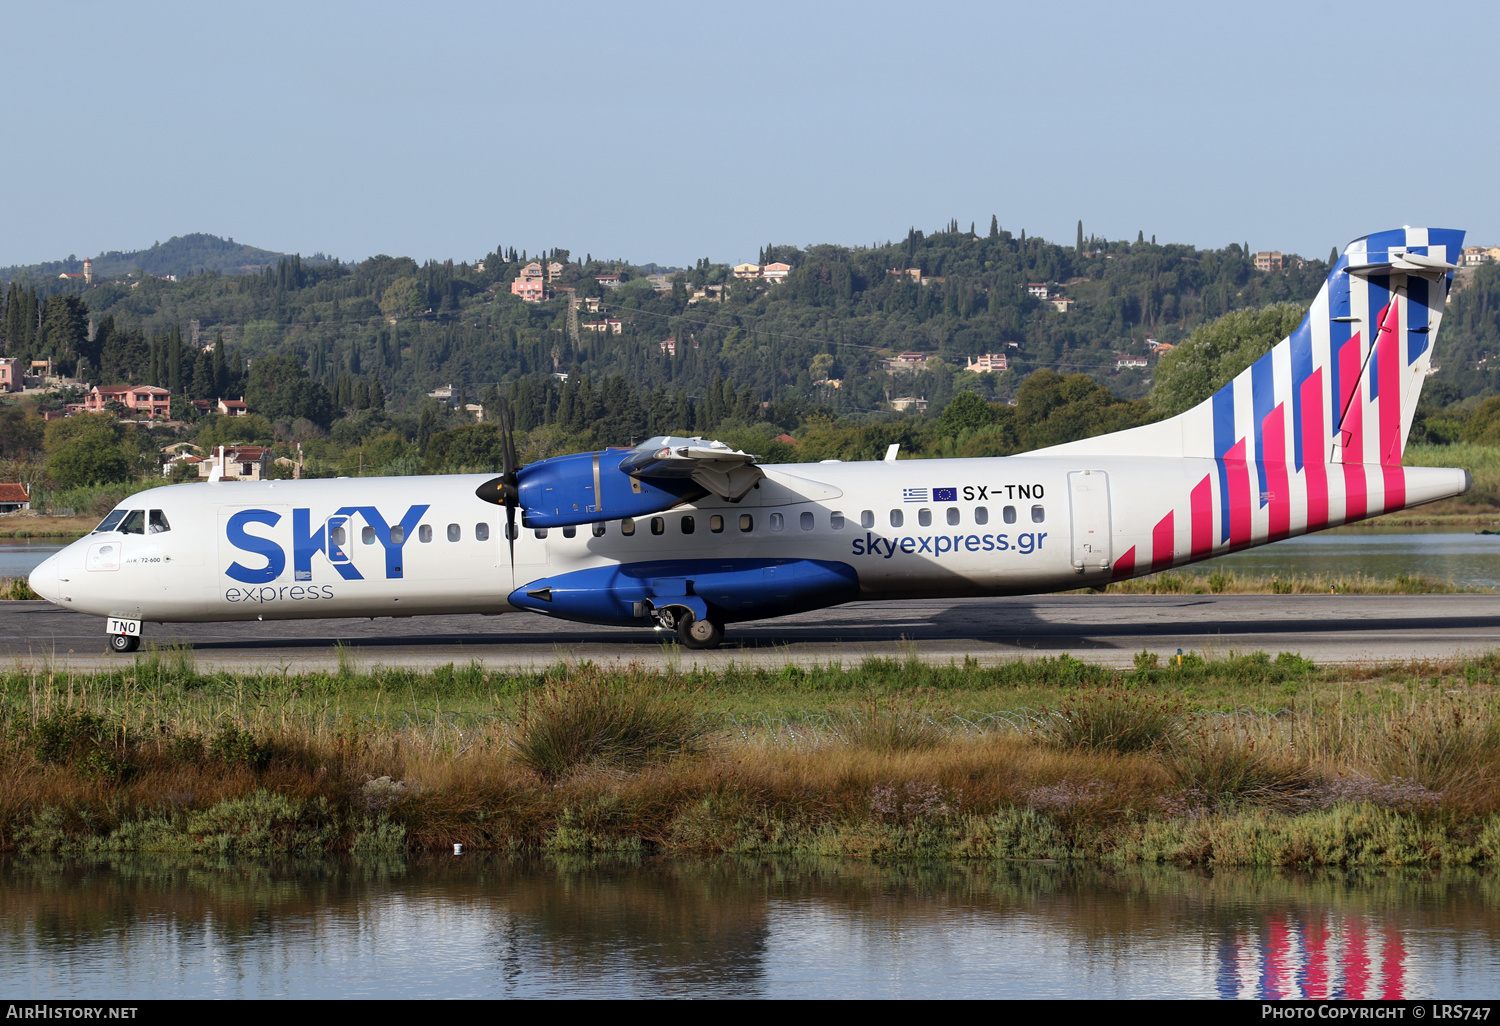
{"points": [[65, 330], [965, 411], [1217, 351], [221, 371], [202, 384], [88, 449], [280, 389], [405, 297], [1053, 408]]}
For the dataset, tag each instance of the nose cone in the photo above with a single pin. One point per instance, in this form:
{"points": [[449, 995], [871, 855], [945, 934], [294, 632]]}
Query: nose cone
{"points": [[44, 579]]}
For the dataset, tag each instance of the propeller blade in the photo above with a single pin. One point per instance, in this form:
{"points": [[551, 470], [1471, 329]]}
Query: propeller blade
{"points": [[510, 466], [510, 492]]}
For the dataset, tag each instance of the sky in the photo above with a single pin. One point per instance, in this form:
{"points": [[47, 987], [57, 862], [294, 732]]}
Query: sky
{"points": [[667, 132]]}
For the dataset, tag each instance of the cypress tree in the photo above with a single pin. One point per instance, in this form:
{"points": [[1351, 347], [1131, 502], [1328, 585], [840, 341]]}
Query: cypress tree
{"points": [[995, 226], [1078, 246], [202, 384], [426, 426], [174, 360]]}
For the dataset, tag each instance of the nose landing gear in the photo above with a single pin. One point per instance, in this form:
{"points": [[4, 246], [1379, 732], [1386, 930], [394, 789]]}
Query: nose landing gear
{"points": [[124, 634]]}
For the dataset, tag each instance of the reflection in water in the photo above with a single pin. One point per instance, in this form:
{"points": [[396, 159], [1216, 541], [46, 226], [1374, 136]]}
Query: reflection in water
{"points": [[1325, 956], [475, 928]]}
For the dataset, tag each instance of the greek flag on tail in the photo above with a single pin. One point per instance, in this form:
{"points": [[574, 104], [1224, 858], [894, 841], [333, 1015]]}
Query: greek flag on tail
{"points": [[1310, 435]]}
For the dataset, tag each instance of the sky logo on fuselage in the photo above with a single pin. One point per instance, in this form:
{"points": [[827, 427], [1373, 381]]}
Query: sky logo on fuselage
{"points": [[309, 541]]}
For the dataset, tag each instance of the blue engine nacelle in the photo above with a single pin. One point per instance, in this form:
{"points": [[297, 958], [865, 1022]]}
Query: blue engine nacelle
{"points": [[586, 487], [722, 590]]}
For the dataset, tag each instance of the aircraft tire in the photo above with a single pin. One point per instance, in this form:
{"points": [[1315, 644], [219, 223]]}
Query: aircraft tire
{"points": [[698, 633], [123, 643]]}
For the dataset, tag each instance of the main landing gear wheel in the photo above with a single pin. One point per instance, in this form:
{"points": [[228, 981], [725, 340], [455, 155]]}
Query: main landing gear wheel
{"points": [[123, 643], [699, 633]]}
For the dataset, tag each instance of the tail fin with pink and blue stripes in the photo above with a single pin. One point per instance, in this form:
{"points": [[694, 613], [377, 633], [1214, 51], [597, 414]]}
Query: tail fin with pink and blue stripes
{"points": [[1312, 433]]}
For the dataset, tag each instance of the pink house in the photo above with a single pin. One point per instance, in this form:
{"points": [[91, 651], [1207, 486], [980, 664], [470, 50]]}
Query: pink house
{"points": [[531, 290], [10, 375], [145, 400]]}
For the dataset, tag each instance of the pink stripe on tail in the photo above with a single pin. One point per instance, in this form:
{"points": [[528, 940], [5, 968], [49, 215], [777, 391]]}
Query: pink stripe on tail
{"points": [[1315, 451], [1163, 538], [1201, 505], [1356, 499], [1239, 495]]}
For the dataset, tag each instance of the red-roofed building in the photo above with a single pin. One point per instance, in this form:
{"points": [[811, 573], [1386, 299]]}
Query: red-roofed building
{"points": [[13, 497], [143, 400], [233, 407], [236, 463]]}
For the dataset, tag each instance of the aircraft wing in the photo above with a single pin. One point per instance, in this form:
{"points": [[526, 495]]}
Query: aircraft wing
{"points": [[727, 473]]}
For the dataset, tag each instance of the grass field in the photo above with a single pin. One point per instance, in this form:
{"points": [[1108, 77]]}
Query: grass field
{"points": [[1243, 759]]}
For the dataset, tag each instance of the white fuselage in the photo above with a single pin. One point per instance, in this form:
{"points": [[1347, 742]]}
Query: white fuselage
{"points": [[411, 546]]}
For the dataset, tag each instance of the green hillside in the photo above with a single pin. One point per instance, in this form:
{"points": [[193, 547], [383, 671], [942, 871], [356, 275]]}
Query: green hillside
{"points": [[178, 256]]}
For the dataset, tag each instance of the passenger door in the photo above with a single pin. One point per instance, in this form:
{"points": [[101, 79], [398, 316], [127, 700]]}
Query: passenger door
{"points": [[1088, 503]]}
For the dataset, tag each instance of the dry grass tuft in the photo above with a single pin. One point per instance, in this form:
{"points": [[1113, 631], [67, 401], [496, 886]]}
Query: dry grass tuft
{"points": [[594, 721], [1221, 768], [1113, 720]]}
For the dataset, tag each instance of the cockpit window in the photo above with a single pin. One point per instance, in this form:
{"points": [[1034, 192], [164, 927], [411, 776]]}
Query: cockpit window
{"points": [[157, 523], [134, 522], [109, 522]]}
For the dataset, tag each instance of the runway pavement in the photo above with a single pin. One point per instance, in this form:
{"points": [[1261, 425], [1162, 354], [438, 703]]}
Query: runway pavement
{"points": [[1106, 629]]}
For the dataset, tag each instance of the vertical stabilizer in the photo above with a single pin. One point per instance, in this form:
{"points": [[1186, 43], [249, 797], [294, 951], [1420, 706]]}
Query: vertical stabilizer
{"points": [[1312, 433]]}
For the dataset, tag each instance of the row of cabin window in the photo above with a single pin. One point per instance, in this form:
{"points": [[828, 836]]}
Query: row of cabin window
{"points": [[337, 535], [808, 521]]}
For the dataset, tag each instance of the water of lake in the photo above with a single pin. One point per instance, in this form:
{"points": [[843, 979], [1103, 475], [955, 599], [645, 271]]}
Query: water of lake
{"points": [[1466, 559], [20, 556], [829, 928]]}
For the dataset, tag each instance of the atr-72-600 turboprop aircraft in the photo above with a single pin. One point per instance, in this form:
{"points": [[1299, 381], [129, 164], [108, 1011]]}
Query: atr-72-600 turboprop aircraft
{"points": [[688, 535]]}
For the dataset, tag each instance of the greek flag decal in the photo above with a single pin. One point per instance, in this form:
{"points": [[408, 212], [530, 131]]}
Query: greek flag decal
{"points": [[914, 494]]}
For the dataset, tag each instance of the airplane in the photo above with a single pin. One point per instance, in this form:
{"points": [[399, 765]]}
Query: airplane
{"points": [[687, 535]]}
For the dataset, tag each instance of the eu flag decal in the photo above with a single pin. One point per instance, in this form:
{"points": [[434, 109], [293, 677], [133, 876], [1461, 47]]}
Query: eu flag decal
{"points": [[945, 495]]}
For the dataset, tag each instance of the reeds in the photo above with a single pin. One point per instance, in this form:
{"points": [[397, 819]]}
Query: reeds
{"points": [[1176, 760]]}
